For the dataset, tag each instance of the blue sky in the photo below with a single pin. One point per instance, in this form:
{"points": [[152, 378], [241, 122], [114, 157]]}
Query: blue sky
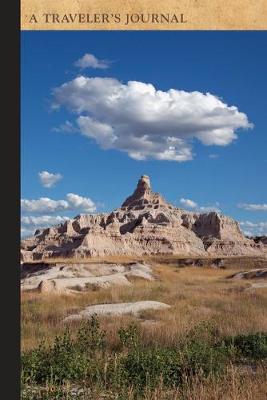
{"points": [[224, 173]]}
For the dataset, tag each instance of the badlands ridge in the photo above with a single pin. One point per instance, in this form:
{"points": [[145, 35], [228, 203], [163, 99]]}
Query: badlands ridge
{"points": [[145, 224]]}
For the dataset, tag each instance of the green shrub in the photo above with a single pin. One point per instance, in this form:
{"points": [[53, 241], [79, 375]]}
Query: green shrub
{"points": [[35, 365], [201, 357], [130, 336], [90, 337], [252, 346], [57, 363], [85, 358], [146, 368], [204, 331], [67, 358]]}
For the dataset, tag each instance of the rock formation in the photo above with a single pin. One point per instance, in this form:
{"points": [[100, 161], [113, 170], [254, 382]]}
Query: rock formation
{"points": [[259, 239], [145, 224], [259, 273], [134, 308], [67, 278]]}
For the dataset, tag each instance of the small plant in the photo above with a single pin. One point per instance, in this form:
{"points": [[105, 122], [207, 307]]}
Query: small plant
{"points": [[253, 346], [85, 361], [147, 368], [35, 366], [201, 357], [130, 336], [67, 358], [90, 337], [204, 331]]}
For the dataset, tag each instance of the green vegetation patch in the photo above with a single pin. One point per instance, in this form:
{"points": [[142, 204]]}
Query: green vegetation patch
{"points": [[85, 359]]}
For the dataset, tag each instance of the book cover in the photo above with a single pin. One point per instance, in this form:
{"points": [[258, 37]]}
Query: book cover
{"points": [[143, 200]]}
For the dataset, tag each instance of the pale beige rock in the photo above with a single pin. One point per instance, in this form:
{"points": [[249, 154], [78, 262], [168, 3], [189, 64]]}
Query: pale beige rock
{"points": [[47, 287], [80, 277], [259, 273], [117, 309], [145, 224]]}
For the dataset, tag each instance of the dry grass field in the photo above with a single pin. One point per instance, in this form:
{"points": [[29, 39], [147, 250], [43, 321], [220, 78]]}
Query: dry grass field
{"points": [[195, 294]]}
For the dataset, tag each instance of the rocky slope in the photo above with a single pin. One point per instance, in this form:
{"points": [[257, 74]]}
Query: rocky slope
{"points": [[145, 224], [68, 278]]}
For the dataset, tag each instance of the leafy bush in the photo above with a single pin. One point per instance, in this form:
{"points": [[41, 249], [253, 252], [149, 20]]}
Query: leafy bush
{"points": [[130, 336], [204, 331], [35, 366], [67, 358], [143, 367], [253, 346], [90, 337], [201, 357], [148, 367], [86, 358]]}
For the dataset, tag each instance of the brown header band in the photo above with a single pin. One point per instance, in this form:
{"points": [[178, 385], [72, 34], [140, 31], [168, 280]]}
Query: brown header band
{"points": [[144, 15]]}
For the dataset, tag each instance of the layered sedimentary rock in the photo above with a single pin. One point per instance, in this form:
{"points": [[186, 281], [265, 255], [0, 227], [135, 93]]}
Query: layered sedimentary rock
{"points": [[73, 277], [145, 224]]}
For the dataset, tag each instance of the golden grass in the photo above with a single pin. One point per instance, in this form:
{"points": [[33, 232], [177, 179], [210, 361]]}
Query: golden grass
{"points": [[235, 384], [236, 261], [195, 294]]}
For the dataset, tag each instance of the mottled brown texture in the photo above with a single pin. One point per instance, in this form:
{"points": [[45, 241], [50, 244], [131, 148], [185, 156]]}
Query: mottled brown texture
{"points": [[199, 14]]}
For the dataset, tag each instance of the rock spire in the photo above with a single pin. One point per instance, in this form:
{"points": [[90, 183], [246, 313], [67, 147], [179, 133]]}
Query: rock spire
{"points": [[144, 197]]}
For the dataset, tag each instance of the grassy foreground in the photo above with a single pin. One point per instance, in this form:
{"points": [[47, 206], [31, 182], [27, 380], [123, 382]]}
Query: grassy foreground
{"points": [[211, 344]]}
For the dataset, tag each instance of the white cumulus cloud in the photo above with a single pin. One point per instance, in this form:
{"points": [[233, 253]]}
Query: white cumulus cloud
{"points": [[78, 202], [188, 203], [91, 61], [254, 228], [147, 123], [67, 127], [26, 232], [253, 207], [43, 220], [49, 179], [191, 204], [30, 223], [73, 202], [44, 204], [207, 209]]}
